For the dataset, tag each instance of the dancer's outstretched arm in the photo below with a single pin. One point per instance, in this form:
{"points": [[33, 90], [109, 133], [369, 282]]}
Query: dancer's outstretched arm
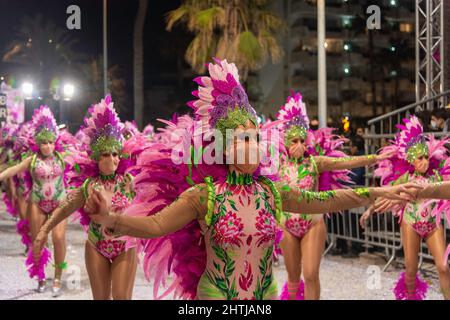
{"points": [[14, 170], [74, 201], [190, 205], [437, 190], [329, 163], [301, 201]]}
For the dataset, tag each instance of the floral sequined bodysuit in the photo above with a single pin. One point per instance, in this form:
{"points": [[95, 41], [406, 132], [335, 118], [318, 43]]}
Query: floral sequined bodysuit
{"points": [[239, 242], [48, 189], [103, 239], [304, 175], [420, 220]]}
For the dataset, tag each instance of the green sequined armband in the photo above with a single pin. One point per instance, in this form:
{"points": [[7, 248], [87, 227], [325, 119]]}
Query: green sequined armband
{"points": [[211, 200], [362, 192], [62, 265], [33, 162], [84, 187], [276, 196]]}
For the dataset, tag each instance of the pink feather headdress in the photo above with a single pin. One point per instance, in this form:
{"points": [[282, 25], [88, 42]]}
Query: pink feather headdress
{"points": [[104, 128], [44, 125], [222, 101], [295, 117]]}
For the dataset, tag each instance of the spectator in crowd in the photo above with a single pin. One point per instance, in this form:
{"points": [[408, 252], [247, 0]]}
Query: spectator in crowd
{"points": [[425, 119], [360, 132], [440, 119], [357, 149], [314, 125]]}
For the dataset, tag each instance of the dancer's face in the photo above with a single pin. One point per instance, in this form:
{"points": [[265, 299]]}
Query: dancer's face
{"points": [[245, 149], [47, 148], [421, 164], [108, 163], [297, 148]]}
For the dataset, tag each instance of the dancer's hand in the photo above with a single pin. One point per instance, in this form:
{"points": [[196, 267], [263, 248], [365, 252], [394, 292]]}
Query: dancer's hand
{"points": [[385, 156], [38, 245], [366, 215], [386, 205], [403, 192], [96, 203]]}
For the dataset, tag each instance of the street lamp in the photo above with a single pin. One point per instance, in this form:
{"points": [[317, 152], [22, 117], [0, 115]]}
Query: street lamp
{"points": [[27, 89], [68, 91]]}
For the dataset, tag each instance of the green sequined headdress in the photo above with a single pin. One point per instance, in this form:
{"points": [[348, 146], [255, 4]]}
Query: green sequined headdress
{"points": [[296, 121], [104, 129], [411, 140], [44, 125], [222, 101]]}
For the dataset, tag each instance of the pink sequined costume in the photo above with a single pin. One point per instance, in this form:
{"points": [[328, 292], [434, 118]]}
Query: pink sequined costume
{"points": [[322, 167], [410, 143], [217, 237]]}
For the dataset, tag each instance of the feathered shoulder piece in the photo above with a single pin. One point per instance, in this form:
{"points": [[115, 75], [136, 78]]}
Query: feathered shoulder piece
{"points": [[409, 143], [323, 142]]}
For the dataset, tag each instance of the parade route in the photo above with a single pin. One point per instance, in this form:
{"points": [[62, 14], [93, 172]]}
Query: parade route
{"points": [[341, 278]]}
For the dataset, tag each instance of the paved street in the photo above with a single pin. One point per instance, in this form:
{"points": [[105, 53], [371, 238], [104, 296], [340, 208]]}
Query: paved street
{"points": [[341, 278]]}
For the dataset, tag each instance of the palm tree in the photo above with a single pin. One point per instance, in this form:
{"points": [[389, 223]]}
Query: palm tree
{"points": [[242, 31], [138, 62], [42, 50]]}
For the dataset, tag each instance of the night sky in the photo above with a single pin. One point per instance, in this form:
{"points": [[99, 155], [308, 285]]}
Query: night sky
{"points": [[158, 43]]}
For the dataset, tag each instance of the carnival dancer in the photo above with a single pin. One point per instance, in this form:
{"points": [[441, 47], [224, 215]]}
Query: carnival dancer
{"points": [[110, 266], [421, 159], [217, 238], [46, 167], [313, 161]]}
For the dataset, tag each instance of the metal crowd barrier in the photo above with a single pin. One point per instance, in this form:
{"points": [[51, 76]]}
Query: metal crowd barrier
{"points": [[381, 231]]}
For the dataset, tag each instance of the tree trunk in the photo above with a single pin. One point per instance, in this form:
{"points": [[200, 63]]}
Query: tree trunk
{"points": [[138, 63]]}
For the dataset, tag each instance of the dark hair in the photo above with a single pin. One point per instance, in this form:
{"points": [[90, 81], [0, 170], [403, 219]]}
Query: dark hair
{"points": [[440, 113], [358, 142], [424, 118]]}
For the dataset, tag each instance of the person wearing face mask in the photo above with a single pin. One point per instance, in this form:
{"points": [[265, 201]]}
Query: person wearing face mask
{"points": [[421, 159], [48, 191], [110, 265], [212, 226], [440, 120], [313, 162]]}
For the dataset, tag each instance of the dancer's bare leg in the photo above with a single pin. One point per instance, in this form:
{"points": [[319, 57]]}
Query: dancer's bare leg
{"points": [[37, 219], [99, 271], [436, 244], [411, 247], [123, 275], [22, 206], [290, 246], [59, 244], [312, 247]]}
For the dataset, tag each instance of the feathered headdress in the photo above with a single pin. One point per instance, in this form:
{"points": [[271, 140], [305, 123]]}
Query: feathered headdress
{"points": [[7, 134], [411, 140], [149, 130], [294, 115], [408, 144], [222, 101], [130, 129], [104, 128], [44, 125]]}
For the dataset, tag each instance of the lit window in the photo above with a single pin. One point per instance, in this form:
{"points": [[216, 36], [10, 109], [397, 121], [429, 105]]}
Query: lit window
{"points": [[406, 27]]}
